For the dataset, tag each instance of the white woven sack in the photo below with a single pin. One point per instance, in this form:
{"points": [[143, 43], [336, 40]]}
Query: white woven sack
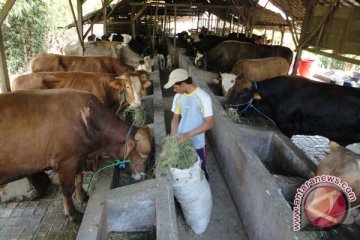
{"points": [[192, 191]]}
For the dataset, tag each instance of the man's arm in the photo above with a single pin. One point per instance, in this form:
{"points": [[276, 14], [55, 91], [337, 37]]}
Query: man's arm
{"points": [[175, 123], [202, 128]]}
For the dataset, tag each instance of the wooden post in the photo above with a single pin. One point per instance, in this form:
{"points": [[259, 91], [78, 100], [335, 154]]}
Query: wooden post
{"points": [[217, 25], [164, 31], [105, 3], [175, 9], [133, 22], [80, 19], [197, 25], [208, 23], [169, 20], [223, 29], [155, 24], [5, 84], [272, 36], [78, 25], [237, 30], [4, 75], [304, 35], [282, 35]]}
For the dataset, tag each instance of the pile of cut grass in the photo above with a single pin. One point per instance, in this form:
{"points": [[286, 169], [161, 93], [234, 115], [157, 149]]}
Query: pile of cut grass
{"points": [[176, 154], [236, 116], [135, 116]]}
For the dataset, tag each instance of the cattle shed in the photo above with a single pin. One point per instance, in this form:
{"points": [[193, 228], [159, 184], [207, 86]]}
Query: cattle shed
{"points": [[327, 27]]}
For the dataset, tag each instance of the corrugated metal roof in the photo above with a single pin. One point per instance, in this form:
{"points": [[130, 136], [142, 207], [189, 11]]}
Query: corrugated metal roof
{"points": [[224, 9]]}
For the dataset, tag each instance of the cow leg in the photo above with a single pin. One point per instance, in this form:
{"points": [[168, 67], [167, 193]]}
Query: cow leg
{"points": [[79, 191], [66, 181]]}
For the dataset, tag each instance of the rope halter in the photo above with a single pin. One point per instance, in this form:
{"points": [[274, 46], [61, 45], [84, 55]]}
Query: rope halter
{"points": [[249, 104]]}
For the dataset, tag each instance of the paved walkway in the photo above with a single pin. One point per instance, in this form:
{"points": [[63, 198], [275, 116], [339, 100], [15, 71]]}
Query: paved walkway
{"points": [[38, 219]]}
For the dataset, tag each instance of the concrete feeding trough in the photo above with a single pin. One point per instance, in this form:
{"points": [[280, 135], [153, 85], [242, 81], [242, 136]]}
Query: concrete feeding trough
{"points": [[147, 206], [261, 167]]}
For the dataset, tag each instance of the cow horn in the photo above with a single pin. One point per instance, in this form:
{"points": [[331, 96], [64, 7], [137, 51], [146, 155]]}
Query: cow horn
{"points": [[121, 77], [333, 145], [256, 96]]}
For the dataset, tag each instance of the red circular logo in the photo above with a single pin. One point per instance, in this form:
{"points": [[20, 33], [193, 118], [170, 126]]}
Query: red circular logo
{"points": [[325, 206]]}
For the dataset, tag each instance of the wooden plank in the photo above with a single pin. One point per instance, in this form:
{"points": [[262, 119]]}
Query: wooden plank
{"points": [[341, 33], [335, 56], [138, 14]]}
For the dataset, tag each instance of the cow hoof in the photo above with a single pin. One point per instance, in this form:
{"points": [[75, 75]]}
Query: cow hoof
{"points": [[83, 198], [76, 217]]}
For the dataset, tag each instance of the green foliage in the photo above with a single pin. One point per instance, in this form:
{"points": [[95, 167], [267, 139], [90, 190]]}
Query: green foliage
{"points": [[176, 154], [134, 115], [30, 28]]}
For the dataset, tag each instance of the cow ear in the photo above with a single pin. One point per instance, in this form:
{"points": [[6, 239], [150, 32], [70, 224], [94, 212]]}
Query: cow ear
{"points": [[147, 83], [256, 96], [116, 84]]}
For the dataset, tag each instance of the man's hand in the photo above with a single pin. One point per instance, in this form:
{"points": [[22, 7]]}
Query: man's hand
{"points": [[184, 137]]}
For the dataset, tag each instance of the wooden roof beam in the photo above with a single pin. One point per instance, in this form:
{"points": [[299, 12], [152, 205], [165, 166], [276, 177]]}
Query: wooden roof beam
{"points": [[138, 14], [184, 5]]}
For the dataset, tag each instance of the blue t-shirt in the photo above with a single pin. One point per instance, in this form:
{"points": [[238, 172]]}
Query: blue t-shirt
{"points": [[193, 109]]}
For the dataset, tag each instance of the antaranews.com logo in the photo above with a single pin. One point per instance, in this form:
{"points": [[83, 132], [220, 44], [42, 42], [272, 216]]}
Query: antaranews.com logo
{"points": [[322, 202]]}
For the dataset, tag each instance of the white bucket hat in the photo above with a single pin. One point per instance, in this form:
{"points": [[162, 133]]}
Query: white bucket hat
{"points": [[178, 75]]}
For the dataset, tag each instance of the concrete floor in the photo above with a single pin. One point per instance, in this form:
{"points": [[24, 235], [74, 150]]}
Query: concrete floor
{"points": [[224, 221]]}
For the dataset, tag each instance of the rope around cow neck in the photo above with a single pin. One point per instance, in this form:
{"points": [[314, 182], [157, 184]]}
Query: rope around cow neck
{"points": [[122, 100], [117, 162], [249, 104]]}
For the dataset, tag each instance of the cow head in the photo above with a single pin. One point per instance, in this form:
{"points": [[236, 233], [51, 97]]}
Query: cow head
{"points": [[227, 82], [126, 38], [244, 91], [146, 64], [140, 155], [200, 61], [145, 82], [131, 86], [344, 164]]}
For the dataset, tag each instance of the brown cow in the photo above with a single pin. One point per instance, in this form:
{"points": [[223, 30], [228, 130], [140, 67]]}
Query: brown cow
{"points": [[345, 164], [113, 49], [106, 87], [60, 63], [145, 77], [254, 69], [102, 48], [141, 154], [60, 129]]}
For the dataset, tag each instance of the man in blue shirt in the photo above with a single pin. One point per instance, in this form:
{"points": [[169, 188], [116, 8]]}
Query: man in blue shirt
{"points": [[192, 110]]}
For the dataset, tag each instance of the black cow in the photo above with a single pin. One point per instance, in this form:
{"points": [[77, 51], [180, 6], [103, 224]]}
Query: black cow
{"points": [[112, 37], [94, 38], [300, 106], [222, 57]]}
